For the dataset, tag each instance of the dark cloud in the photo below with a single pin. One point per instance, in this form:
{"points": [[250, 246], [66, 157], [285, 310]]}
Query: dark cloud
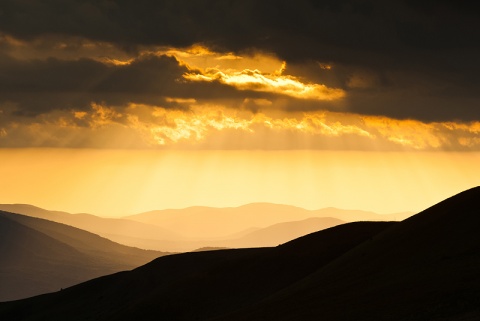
{"points": [[292, 29], [41, 86], [421, 57]]}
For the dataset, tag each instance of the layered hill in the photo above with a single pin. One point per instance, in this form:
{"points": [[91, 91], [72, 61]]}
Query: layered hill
{"points": [[202, 222], [423, 268], [39, 256], [118, 230], [280, 233], [196, 285], [252, 225]]}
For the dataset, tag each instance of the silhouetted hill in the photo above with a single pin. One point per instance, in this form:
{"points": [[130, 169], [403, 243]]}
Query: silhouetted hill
{"points": [[423, 268], [39, 256], [195, 285]]}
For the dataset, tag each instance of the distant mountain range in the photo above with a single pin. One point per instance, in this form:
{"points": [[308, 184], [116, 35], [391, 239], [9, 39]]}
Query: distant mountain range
{"points": [[210, 222], [425, 267], [280, 233], [39, 256], [196, 227]]}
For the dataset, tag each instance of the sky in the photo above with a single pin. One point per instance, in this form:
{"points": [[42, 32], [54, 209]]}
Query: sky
{"points": [[116, 107]]}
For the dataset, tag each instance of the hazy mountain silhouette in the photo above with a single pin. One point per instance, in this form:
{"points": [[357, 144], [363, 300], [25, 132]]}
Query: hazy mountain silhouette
{"points": [[119, 230], [210, 222], [39, 256], [197, 227], [281, 232], [423, 268], [253, 237]]}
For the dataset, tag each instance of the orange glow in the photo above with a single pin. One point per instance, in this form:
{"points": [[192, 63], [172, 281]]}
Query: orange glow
{"points": [[9, 40], [114, 182]]}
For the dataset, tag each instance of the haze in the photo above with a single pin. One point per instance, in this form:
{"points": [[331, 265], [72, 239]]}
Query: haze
{"points": [[124, 182]]}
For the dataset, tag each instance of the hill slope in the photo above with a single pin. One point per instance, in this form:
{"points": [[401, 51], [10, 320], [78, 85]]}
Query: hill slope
{"points": [[39, 256], [423, 268], [195, 285]]}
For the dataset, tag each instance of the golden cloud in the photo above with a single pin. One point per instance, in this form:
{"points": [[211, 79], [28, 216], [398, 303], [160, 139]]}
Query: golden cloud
{"points": [[259, 72], [166, 127], [103, 115], [420, 136], [195, 124], [408, 133], [201, 58], [272, 83]]}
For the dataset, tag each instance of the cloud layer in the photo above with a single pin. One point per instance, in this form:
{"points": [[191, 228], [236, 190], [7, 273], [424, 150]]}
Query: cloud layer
{"points": [[207, 126], [74, 62]]}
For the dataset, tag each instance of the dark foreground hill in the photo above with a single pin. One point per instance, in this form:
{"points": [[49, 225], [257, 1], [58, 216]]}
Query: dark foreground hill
{"points": [[39, 256], [197, 285], [424, 268]]}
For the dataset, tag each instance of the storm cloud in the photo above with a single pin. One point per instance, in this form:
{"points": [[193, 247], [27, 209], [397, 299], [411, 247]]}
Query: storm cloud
{"points": [[398, 58]]}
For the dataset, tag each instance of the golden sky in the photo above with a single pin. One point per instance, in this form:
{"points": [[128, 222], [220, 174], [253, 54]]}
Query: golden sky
{"points": [[121, 182], [343, 107]]}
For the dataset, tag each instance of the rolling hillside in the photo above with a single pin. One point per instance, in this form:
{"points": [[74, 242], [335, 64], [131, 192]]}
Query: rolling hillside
{"points": [[195, 285], [39, 256], [423, 268]]}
